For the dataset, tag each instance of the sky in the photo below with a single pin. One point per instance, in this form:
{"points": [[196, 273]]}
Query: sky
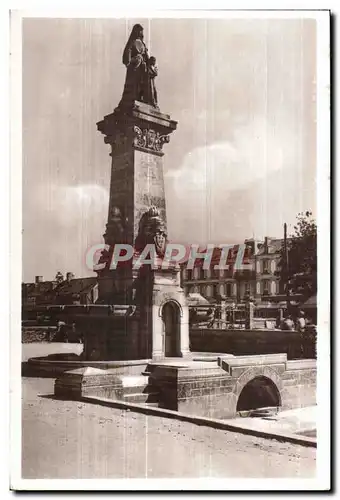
{"points": [[241, 162]]}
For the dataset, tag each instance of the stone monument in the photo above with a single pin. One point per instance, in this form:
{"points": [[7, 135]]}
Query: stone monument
{"points": [[148, 315], [141, 319]]}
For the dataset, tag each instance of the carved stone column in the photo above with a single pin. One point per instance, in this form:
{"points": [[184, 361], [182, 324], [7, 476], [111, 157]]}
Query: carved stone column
{"points": [[136, 136], [137, 216]]}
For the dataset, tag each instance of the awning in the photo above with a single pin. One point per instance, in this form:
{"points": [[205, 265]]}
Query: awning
{"points": [[196, 299]]}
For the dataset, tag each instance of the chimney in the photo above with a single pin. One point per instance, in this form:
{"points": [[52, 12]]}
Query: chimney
{"points": [[39, 279], [69, 276]]}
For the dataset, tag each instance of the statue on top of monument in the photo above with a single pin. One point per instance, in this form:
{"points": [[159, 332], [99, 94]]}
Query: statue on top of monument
{"points": [[141, 71]]}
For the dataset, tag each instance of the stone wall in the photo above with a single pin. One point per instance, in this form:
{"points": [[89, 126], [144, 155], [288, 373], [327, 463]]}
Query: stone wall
{"points": [[299, 384], [214, 391], [247, 342], [48, 333], [30, 334], [235, 385], [206, 392]]}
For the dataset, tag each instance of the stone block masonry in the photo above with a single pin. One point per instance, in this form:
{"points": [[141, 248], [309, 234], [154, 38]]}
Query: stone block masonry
{"points": [[222, 391]]}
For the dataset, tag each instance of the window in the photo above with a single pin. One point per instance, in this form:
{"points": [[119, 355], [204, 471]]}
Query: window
{"points": [[228, 289], [201, 273], [215, 273], [266, 287], [189, 274], [265, 266]]}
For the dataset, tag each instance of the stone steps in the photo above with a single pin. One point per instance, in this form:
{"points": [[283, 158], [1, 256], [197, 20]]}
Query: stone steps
{"points": [[140, 390]]}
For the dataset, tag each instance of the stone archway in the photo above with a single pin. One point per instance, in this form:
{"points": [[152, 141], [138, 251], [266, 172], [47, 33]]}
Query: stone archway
{"points": [[171, 316], [259, 392], [264, 376]]}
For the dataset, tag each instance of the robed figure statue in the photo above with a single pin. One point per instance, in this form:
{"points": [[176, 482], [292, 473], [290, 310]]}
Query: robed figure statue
{"points": [[141, 71]]}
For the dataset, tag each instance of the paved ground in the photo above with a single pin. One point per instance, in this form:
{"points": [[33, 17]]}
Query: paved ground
{"points": [[44, 349], [295, 421], [67, 439]]}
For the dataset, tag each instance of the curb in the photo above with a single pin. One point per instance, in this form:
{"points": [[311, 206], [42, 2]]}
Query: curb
{"points": [[209, 422]]}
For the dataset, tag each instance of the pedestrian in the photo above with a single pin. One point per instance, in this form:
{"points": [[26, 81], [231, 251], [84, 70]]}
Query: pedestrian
{"points": [[61, 331], [288, 323], [301, 322]]}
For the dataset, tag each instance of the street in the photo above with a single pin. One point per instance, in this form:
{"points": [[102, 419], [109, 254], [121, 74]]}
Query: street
{"points": [[69, 439]]}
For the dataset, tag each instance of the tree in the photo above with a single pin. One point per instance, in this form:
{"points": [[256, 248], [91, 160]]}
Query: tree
{"points": [[300, 274]]}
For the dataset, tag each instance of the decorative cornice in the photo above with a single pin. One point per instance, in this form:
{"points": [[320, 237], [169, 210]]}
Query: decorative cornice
{"points": [[146, 139]]}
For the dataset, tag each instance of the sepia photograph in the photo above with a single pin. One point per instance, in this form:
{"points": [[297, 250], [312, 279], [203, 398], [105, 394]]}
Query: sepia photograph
{"points": [[171, 241]]}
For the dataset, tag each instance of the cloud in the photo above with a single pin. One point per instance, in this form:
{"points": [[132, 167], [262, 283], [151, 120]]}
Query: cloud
{"points": [[254, 151], [68, 205], [222, 189]]}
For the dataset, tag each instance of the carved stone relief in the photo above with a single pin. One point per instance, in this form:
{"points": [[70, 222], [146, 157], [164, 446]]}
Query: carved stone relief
{"points": [[149, 139]]}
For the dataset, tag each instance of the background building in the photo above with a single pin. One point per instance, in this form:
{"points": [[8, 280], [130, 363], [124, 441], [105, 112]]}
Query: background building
{"points": [[66, 291], [260, 282], [38, 293]]}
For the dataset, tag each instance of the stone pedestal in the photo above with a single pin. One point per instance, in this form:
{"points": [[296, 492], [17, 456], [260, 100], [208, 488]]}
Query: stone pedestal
{"points": [[158, 327], [170, 315], [136, 135]]}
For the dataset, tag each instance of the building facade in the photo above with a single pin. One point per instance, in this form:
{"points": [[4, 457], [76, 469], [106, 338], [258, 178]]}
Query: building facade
{"points": [[67, 291], [260, 282], [37, 293]]}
